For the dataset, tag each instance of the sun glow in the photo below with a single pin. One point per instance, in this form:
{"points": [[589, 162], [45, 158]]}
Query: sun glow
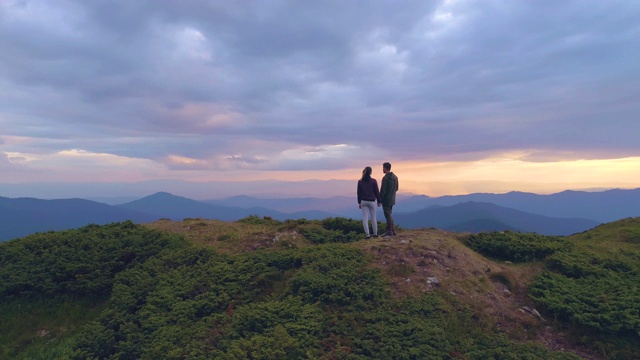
{"points": [[512, 173], [516, 171]]}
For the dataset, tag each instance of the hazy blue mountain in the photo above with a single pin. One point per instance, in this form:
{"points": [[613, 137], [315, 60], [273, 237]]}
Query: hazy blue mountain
{"points": [[419, 202], [191, 189], [23, 216], [480, 225], [561, 213], [336, 204], [602, 206], [461, 218], [115, 200], [477, 216], [177, 208]]}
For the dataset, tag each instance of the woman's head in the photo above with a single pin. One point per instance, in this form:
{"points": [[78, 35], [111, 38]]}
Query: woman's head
{"points": [[366, 173]]}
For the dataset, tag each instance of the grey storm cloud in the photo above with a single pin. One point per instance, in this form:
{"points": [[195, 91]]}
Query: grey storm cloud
{"points": [[202, 79]]}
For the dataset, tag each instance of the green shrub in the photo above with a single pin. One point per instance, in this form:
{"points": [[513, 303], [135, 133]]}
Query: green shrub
{"points": [[575, 264], [330, 274], [343, 225], [589, 294], [175, 301], [256, 220], [319, 235], [516, 247], [43, 328], [274, 328], [604, 303], [595, 294], [80, 262], [166, 306]]}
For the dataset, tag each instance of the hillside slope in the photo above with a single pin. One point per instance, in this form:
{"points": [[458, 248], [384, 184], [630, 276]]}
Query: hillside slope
{"points": [[298, 289]]}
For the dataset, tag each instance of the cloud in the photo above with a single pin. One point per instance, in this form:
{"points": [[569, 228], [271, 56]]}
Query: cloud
{"points": [[324, 157], [13, 169], [192, 86], [76, 165]]}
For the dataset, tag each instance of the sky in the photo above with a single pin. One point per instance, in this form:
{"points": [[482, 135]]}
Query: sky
{"points": [[460, 96]]}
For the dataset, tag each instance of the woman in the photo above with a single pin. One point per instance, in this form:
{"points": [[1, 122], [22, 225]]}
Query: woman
{"points": [[368, 195]]}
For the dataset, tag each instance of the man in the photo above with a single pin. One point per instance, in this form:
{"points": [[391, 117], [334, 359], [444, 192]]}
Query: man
{"points": [[388, 189]]}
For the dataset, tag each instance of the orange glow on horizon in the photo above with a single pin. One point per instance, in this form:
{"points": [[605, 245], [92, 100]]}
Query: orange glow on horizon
{"points": [[496, 175]]}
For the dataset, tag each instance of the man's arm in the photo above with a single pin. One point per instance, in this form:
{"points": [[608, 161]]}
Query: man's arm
{"points": [[383, 186]]}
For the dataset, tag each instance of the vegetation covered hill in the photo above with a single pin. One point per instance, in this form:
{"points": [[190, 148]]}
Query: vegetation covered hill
{"points": [[264, 289]]}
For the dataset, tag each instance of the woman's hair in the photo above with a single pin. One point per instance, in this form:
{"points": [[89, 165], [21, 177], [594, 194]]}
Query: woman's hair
{"points": [[366, 173]]}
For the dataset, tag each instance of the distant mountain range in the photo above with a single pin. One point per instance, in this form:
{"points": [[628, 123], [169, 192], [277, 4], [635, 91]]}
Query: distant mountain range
{"points": [[23, 216], [603, 206], [556, 214], [477, 217], [165, 205]]}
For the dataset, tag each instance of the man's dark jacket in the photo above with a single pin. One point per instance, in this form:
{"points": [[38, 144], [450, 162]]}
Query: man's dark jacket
{"points": [[388, 189]]}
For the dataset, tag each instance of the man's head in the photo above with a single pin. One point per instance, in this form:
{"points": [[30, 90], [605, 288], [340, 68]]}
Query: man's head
{"points": [[386, 167]]}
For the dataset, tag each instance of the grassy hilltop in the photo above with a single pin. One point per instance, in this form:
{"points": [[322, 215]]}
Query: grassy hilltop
{"points": [[265, 289]]}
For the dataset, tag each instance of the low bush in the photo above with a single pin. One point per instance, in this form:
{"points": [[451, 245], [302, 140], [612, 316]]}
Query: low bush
{"points": [[516, 247], [590, 290], [343, 225], [256, 220], [168, 307], [320, 235], [80, 262], [162, 298]]}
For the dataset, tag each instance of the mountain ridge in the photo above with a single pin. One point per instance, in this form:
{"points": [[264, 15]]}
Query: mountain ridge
{"points": [[20, 219], [491, 217], [24, 216]]}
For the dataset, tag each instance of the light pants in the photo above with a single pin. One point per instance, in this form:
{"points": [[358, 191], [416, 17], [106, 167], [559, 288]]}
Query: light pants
{"points": [[369, 212]]}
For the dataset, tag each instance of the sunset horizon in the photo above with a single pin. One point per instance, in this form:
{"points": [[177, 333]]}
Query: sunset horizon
{"points": [[459, 96]]}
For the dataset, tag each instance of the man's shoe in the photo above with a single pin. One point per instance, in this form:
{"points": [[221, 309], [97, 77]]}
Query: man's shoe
{"points": [[375, 235], [368, 236]]}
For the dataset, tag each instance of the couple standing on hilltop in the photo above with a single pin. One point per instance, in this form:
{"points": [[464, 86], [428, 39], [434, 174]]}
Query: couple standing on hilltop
{"points": [[369, 195]]}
